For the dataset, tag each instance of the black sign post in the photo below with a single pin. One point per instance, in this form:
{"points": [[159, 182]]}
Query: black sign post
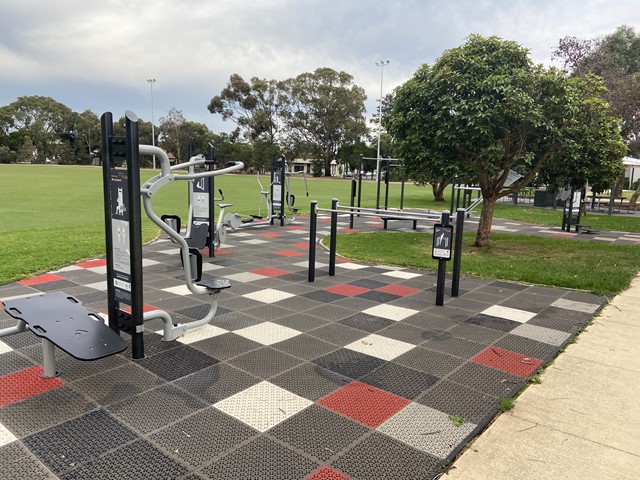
{"points": [[123, 229], [441, 251]]}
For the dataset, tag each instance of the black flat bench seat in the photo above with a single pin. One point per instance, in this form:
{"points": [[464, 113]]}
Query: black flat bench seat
{"points": [[386, 219], [61, 319]]}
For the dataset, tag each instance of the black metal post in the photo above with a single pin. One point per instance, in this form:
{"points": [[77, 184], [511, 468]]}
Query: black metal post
{"points": [[353, 196], [402, 191], [454, 182], [360, 180], [313, 221], [442, 268], [457, 253], [333, 237], [106, 126], [386, 185], [212, 227]]}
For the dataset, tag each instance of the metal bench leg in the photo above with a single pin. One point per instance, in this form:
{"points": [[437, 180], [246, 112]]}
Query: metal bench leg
{"points": [[49, 360]]}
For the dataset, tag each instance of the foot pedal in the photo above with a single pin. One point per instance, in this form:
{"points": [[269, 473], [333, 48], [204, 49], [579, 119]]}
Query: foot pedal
{"points": [[213, 283]]}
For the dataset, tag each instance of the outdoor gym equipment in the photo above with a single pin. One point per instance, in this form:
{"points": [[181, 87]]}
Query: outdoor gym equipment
{"points": [[274, 198]]}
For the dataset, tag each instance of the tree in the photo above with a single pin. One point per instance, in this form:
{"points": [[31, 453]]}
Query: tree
{"points": [[322, 111], [486, 109], [46, 120], [86, 135], [172, 138], [253, 106], [616, 58]]}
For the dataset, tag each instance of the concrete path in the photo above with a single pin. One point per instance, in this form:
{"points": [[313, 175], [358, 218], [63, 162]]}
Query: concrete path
{"points": [[582, 421]]}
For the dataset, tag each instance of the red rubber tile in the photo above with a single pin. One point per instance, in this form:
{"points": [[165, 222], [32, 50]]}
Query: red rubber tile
{"points": [[270, 235], [145, 308], [205, 251], [398, 290], [40, 279], [326, 473], [364, 403], [270, 272], [346, 290], [324, 219], [289, 253], [507, 361], [301, 245], [348, 230], [24, 384], [92, 264], [295, 227]]}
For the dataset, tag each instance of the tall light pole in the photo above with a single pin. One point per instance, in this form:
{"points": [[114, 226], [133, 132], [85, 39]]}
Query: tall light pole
{"points": [[151, 81], [381, 64]]}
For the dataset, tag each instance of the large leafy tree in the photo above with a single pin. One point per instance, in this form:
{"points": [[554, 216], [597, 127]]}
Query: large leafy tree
{"points": [[323, 111], [615, 58], [485, 109]]}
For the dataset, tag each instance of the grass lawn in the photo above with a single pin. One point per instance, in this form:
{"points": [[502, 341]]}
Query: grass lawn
{"points": [[51, 215]]}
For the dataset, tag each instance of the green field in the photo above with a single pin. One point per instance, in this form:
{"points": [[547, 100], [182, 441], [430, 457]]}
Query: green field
{"points": [[51, 216]]}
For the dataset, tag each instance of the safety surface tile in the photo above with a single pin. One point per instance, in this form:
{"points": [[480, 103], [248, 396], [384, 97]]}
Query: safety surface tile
{"points": [[79, 440], [575, 305], [399, 380], [541, 334], [569, 321], [368, 323], [268, 295], [429, 361], [508, 313], [305, 346], [326, 473], [177, 362], [200, 333], [364, 403], [526, 346], [310, 381], [495, 323], [349, 363], [156, 408], [261, 459], [265, 362], [453, 345], [136, 461], [24, 384], [267, 333], [263, 405], [217, 382], [42, 411], [226, 346], [459, 401], [203, 436], [390, 312], [16, 458], [346, 290], [402, 274], [380, 457], [507, 361], [318, 432], [380, 347], [427, 429], [487, 380], [5, 436]]}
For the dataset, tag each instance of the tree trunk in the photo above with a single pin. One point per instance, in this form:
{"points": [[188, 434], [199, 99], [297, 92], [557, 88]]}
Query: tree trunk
{"points": [[636, 194], [484, 225], [438, 191]]}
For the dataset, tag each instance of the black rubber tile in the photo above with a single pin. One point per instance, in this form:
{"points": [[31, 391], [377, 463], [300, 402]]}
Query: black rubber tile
{"points": [[429, 361], [368, 323], [196, 312], [156, 408], [20, 340], [42, 411], [527, 347], [269, 312], [301, 322], [265, 362], [487, 321], [58, 285], [527, 301], [402, 381], [338, 334], [369, 283], [305, 346], [236, 320], [11, 362], [322, 296], [318, 432], [217, 382], [459, 347], [137, 461], [153, 343], [118, 384], [475, 333], [379, 297], [310, 381], [488, 380], [177, 362], [226, 346], [203, 436], [16, 458], [457, 400], [262, 458], [561, 319], [379, 457], [78, 441], [405, 333], [349, 363]]}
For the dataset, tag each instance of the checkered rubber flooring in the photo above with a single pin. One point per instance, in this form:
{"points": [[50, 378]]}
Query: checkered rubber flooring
{"points": [[356, 376]]}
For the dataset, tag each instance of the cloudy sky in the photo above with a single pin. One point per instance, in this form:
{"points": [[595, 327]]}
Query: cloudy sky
{"points": [[98, 55]]}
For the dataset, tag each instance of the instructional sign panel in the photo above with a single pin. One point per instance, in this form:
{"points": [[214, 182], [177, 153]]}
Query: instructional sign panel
{"points": [[120, 236], [201, 200], [442, 239]]}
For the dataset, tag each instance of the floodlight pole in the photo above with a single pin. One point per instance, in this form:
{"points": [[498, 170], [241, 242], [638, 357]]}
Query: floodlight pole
{"points": [[381, 64], [151, 81]]}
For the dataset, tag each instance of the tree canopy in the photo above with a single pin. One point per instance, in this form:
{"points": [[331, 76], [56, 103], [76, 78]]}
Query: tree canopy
{"points": [[484, 109]]}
